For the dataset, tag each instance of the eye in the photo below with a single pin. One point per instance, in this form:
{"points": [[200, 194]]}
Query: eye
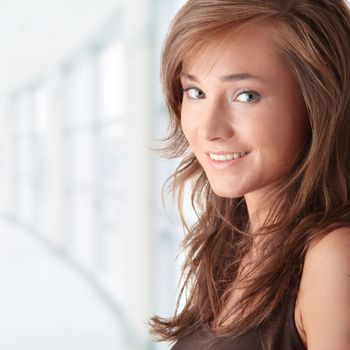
{"points": [[248, 96], [194, 93]]}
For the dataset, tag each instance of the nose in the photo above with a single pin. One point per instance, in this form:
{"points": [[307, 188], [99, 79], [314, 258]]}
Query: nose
{"points": [[216, 122]]}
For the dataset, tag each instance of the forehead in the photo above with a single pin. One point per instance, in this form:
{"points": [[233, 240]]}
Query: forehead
{"points": [[250, 49]]}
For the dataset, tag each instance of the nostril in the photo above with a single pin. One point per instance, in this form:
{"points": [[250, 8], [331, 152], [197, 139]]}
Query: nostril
{"points": [[216, 132]]}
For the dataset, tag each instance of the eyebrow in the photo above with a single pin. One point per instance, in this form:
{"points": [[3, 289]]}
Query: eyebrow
{"points": [[224, 78]]}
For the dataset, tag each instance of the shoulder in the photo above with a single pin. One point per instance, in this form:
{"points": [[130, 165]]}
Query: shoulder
{"points": [[325, 292]]}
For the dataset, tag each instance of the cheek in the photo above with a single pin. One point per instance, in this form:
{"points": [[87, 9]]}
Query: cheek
{"points": [[183, 118], [185, 130], [282, 140], [187, 126]]}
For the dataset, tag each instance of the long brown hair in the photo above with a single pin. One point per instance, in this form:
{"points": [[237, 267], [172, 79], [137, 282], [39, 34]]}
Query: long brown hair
{"points": [[313, 37]]}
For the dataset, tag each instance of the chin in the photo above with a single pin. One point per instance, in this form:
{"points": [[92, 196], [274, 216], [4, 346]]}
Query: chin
{"points": [[226, 193]]}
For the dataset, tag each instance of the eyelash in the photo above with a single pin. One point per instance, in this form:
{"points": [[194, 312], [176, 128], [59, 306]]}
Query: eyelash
{"points": [[242, 92]]}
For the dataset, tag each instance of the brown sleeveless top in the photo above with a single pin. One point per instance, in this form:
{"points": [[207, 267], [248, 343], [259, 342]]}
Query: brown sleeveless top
{"points": [[282, 330]]}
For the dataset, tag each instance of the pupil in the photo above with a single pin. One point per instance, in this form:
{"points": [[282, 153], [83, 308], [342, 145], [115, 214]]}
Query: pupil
{"points": [[250, 96]]}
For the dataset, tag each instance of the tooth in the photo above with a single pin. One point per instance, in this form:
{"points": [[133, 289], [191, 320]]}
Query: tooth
{"points": [[230, 156], [236, 155]]}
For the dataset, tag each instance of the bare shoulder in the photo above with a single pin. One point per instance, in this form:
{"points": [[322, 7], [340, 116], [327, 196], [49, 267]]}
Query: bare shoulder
{"points": [[332, 246], [324, 294]]}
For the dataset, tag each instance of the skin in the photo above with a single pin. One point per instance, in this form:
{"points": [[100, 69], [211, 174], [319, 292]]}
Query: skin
{"points": [[270, 122]]}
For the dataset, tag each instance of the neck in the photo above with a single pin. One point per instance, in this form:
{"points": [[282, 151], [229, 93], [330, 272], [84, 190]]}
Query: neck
{"points": [[257, 215]]}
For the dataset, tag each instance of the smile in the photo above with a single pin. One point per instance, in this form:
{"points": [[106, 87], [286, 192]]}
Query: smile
{"points": [[229, 156]]}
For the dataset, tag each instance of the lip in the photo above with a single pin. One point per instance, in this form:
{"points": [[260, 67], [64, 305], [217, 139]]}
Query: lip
{"points": [[219, 164], [223, 152]]}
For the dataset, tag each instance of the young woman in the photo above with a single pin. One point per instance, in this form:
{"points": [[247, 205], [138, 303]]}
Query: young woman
{"points": [[258, 93]]}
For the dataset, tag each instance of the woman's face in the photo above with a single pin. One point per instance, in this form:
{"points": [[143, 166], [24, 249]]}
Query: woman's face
{"points": [[243, 99]]}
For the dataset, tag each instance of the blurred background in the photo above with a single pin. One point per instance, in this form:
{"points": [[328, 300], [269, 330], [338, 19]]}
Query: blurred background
{"points": [[87, 251]]}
